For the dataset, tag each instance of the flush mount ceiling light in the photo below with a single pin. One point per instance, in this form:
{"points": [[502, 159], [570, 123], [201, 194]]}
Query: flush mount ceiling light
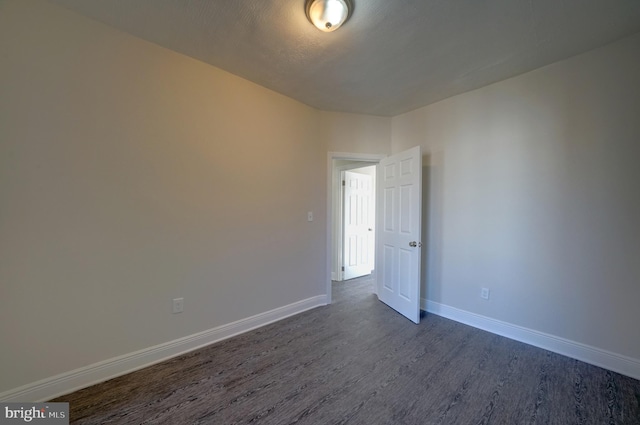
{"points": [[328, 15]]}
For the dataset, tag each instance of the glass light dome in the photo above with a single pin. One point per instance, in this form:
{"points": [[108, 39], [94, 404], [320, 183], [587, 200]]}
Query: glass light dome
{"points": [[328, 15]]}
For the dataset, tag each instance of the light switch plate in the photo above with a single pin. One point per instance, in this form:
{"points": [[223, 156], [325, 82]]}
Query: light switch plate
{"points": [[178, 305]]}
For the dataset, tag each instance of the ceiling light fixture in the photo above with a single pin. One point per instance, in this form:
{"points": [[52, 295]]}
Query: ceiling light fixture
{"points": [[328, 15]]}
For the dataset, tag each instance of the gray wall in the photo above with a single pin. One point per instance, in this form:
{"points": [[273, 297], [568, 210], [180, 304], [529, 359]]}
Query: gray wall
{"points": [[131, 175], [533, 191]]}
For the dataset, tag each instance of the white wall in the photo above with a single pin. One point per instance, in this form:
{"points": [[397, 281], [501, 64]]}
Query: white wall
{"points": [[131, 175], [533, 192]]}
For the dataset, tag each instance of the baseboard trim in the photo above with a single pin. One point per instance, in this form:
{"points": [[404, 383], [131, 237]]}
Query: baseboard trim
{"points": [[616, 362], [67, 382]]}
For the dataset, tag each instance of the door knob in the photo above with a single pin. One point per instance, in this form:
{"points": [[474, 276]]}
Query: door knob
{"points": [[414, 244]]}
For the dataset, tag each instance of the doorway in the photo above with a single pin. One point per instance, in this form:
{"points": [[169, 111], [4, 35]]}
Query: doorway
{"points": [[398, 222], [338, 165]]}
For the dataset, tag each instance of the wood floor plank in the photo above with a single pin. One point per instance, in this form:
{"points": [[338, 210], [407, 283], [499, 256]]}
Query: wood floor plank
{"points": [[359, 362]]}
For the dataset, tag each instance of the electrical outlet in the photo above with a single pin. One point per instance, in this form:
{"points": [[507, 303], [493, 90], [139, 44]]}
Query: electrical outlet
{"points": [[310, 216], [178, 305], [484, 293]]}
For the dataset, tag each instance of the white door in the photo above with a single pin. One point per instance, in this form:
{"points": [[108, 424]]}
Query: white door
{"points": [[399, 202], [358, 225]]}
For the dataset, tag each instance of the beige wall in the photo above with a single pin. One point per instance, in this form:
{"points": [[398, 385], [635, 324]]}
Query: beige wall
{"points": [[131, 175], [532, 191], [355, 133]]}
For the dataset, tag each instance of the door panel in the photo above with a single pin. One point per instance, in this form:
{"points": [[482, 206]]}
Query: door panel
{"points": [[400, 202]]}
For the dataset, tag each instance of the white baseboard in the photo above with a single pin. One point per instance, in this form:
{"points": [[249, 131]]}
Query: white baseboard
{"points": [[67, 382], [588, 354]]}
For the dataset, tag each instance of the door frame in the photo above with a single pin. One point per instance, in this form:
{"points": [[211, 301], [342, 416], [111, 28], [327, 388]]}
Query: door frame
{"points": [[332, 181]]}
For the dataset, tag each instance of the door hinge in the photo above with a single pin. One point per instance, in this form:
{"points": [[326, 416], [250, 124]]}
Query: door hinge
{"points": [[344, 183], [342, 268]]}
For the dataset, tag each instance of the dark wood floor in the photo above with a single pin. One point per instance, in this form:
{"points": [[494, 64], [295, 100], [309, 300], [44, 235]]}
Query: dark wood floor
{"points": [[358, 362]]}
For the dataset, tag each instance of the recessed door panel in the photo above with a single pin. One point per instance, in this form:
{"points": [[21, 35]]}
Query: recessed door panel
{"points": [[387, 276], [406, 193], [388, 209], [404, 273]]}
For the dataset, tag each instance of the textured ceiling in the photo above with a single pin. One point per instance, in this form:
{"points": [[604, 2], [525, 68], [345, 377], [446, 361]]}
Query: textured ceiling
{"points": [[392, 56]]}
